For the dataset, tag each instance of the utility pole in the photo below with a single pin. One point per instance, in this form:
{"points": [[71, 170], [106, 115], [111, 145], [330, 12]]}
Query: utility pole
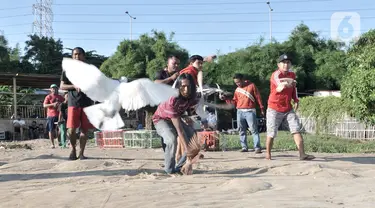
{"points": [[270, 14], [131, 18]]}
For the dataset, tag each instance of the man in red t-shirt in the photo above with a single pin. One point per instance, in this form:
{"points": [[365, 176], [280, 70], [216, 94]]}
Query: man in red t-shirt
{"points": [[51, 102], [245, 99], [283, 90]]}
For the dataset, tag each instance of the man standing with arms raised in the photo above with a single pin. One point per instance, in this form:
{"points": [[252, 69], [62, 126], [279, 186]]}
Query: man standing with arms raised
{"points": [[283, 90], [77, 118]]}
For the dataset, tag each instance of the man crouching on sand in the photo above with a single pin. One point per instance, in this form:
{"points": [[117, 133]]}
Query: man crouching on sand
{"points": [[170, 126]]}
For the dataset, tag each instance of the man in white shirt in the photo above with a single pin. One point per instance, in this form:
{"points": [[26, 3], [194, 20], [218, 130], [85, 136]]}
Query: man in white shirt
{"points": [[18, 125]]}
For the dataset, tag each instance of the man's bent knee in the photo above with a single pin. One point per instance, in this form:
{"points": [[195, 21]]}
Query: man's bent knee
{"points": [[71, 131], [271, 134]]}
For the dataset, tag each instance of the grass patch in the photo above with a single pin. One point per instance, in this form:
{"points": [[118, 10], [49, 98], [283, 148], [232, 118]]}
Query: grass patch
{"points": [[313, 143], [285, 142]]}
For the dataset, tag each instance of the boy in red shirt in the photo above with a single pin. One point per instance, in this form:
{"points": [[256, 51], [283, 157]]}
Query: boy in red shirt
{"points": [[195, 68], [283, 90], [245, 98], [52, 102]]}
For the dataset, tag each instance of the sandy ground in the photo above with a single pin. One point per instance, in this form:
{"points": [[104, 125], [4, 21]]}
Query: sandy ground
{"points": [[43, 177]]}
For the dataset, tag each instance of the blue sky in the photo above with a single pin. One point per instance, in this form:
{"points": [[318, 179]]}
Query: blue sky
{"points": [[202, 27]]}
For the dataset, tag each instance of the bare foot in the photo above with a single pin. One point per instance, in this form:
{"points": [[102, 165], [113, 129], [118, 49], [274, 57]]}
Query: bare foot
{"points": [[82, 157], [268, 156], [73, 155], [307, 157]]}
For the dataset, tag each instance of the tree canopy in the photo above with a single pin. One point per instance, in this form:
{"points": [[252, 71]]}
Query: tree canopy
{"points": [[143, 57], [358, 85], [320, 64]]}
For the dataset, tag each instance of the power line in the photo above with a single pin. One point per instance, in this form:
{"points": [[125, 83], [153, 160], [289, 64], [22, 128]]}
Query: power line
{"points": [[183, 40], [12, 25], [220, 13], [177, 33], [199, 4], [204, 14], [19, 15], [197, 22], [13, 8]]}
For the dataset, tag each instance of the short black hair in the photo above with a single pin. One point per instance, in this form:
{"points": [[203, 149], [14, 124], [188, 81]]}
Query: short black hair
{"points": [[238, 76], [80, 50], [173, 56], [193, 87], [193, 58]]}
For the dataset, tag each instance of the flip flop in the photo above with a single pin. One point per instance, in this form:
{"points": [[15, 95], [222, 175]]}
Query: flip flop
{"points": [[307, 157]]}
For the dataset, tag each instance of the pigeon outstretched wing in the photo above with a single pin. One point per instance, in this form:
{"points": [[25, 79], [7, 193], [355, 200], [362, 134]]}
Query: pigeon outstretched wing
{"points": [[144, 92], [89, 79]]}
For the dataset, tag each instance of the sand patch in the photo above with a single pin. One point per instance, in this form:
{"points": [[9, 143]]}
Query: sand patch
{"points": [[245, 185]]}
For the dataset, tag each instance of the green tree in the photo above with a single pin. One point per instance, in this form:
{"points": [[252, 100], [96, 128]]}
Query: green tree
{"points": [[142, 58], [44, 53], [358, 84], [331, 67], [15, 53], [4, 53]]}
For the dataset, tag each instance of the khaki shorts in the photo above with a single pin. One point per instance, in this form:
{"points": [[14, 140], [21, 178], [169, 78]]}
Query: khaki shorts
{"points": [[275, 118]]}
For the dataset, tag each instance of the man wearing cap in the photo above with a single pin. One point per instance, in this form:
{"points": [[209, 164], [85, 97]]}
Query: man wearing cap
{"points": [[52, 102], [283, 90]]}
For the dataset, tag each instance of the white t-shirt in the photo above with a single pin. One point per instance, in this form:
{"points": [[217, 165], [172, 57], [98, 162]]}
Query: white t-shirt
{"points": [[19, 122]]}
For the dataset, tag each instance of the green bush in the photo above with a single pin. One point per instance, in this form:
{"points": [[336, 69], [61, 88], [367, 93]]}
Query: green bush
{"points": [[323, 110]]}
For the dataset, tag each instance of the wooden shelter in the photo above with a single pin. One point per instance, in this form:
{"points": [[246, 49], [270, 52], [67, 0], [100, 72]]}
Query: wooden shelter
{"points": [[27, 80]]}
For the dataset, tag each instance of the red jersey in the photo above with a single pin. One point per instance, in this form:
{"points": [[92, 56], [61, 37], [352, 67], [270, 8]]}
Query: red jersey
{"points": [[51, 98], [281, 101], [192, 71], [246, 97], [172, 108]]}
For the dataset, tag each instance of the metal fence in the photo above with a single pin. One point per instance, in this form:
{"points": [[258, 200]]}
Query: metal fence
{"points": [[349, 128]]}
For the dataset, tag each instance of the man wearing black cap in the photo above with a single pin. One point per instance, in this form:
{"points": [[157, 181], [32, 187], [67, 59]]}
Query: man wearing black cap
{"points": [[283, 90]]}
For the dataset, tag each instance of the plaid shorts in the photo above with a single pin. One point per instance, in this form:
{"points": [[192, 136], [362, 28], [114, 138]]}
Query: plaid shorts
{"points": [[275, 118]]}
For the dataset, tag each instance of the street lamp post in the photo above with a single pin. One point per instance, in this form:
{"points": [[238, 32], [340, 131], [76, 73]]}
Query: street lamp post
{"points": [[131, 18], [270, 14]]}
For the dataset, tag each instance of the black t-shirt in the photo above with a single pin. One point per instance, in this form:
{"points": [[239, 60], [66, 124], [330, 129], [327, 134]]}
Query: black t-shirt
{"points": [[163, 74], [76, 99], [63, 110]]}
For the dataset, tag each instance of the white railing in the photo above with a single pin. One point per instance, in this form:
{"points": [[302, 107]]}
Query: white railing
{"points": [[349, 128], [346, 128]]}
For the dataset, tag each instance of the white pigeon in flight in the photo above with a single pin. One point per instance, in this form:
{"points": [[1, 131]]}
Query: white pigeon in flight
{"points": [[283, 83], [113, 94]]}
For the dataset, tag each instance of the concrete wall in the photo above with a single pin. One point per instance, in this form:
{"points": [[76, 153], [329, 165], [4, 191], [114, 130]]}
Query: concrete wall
{"points": [[7, 124]]}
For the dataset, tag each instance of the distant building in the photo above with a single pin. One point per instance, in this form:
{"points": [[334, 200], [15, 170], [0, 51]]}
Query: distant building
{"points": [[325, 93]]}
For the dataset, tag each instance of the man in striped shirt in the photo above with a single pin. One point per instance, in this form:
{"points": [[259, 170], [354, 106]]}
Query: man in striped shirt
{"points": [[169, 124], [245, 100], [283, 90]]}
